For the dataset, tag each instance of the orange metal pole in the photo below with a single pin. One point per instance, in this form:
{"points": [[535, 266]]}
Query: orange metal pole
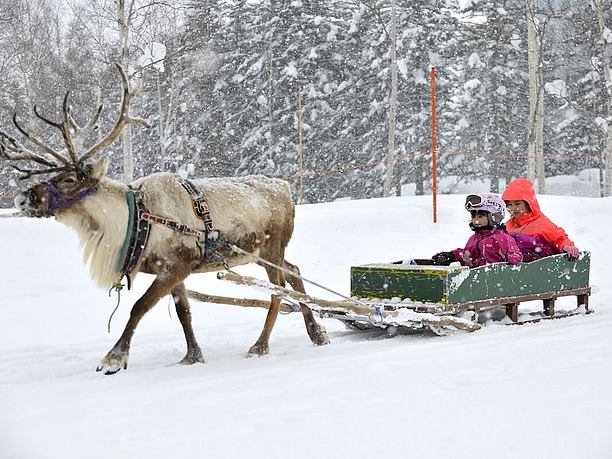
{"points": [[434, 166]]}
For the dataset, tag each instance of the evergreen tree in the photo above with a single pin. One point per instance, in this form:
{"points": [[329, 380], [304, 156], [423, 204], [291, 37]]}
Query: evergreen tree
{"points": [[577, 94], [492, 105]]}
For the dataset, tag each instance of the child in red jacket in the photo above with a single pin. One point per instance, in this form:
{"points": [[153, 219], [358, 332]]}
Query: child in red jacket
{"points": [[535, 234]]}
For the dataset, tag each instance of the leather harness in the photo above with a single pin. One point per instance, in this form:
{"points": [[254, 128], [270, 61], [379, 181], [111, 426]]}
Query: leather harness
{"points": [[139, 226], [136, 236], [199, 203]]}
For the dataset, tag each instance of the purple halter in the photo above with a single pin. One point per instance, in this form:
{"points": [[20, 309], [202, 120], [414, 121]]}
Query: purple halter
{"points": [[57, 201]]}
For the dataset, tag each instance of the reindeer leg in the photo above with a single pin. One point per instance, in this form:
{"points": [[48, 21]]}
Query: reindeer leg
{"points": [[261, 346], [194, 353], [318, 334], [117, 358]]}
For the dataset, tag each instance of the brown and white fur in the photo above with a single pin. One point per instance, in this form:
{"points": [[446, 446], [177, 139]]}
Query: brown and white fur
{"points": [[255, 213]]}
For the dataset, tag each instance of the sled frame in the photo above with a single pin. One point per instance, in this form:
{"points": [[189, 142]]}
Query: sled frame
{"points": [[371, 314]]}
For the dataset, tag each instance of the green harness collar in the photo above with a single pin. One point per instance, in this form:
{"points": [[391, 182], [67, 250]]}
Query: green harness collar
{"points": [[136, 237]]}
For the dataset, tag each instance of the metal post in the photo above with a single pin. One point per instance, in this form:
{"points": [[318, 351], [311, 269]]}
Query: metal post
{"points": [[434, 166]]}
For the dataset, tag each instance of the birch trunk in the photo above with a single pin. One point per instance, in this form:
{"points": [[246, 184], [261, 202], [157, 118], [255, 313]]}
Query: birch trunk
{"points": [[124, 40], [535, 150], [539, 151], [161, 130], [606, 35], [270, 106], [392, 104], [300, 147]]}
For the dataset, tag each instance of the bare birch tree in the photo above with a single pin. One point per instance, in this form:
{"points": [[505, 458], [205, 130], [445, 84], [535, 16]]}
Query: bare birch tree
{"points": [[123, 15], [392, 102], [535, 148], [606, 38], [134, 22]]}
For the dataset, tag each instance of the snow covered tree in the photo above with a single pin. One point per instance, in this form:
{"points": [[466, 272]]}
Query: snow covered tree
{"points": [[224, 98], [602, 9], [30, 70], [428, 34], [490, 106], [582, 84], [133, 24]]}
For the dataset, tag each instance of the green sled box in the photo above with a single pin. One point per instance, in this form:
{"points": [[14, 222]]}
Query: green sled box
{"points": [[450, 285]]}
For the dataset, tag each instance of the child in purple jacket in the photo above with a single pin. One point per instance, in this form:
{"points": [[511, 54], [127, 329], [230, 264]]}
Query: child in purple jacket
{"points": [[490, 243]]}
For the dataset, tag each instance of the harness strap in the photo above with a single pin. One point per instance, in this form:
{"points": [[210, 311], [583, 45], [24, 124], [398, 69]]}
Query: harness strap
{"points": [[58, 202], [211, 237], [199, 203], [131, 202], [136, 237], [140, 239], [172, 224]]}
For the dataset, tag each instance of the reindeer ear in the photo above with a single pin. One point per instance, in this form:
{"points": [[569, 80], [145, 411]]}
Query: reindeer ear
{"points": [[99, 168]]}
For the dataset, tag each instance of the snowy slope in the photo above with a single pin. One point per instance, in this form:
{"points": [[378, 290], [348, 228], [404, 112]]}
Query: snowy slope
{"points": [[536, 391]]}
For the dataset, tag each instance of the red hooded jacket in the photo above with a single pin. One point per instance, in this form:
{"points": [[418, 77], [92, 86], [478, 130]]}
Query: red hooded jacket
{"points": [[533, 225]]}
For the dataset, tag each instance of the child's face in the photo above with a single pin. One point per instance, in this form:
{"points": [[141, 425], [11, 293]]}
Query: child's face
{"points": [[517, 208], [479, 218]]}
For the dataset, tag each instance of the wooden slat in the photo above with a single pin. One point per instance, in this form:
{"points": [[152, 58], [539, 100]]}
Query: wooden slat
{"points": [[477, 305], [512, 311], [296, 296], [558, 315], [549, 307], [244, 302], [583, 300]]}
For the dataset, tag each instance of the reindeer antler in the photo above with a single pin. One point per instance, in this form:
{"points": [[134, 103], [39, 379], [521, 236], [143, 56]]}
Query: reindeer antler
{"points": [[14, 151], [82, 132], [57, 155], [122, 121], [30, 172], [72, 135]]}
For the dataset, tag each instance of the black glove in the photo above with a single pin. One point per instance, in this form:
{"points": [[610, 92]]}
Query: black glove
{"points": [[443, 258]]}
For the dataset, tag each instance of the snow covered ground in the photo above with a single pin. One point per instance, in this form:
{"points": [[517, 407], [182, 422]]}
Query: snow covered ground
{"points": [[535, 391]]}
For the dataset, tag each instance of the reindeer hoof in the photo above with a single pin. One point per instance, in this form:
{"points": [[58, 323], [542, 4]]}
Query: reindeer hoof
{"points": [[318, 336], [258, 350], [109, 370], [192, 357], [113, 363]]}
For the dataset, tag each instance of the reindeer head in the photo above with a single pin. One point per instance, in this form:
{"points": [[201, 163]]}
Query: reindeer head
{"points": [[75, 177], [62, 190]]}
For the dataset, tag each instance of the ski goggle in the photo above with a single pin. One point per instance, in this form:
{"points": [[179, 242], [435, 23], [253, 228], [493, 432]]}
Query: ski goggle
{"points": [[473, 201], [477, 202]]}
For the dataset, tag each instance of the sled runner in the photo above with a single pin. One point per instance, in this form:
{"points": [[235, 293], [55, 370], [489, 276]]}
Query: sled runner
{"points": [[418, 295]]}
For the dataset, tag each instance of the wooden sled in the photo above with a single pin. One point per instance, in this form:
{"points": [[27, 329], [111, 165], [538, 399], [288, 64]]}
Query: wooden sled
{"points": [[437, 298]]}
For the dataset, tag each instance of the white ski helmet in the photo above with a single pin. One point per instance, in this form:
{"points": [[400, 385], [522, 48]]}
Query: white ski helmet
{"points": [[488, 202]]}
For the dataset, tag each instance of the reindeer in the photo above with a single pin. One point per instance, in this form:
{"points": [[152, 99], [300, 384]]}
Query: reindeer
{"points": [[158, 230]]}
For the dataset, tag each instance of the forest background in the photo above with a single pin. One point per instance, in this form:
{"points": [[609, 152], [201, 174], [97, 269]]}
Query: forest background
{"points": [[302, 89]]}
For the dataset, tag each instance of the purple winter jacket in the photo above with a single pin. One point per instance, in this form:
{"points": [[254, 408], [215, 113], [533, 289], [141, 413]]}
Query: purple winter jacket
{"points": [[489, 246], [533, 247]]}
